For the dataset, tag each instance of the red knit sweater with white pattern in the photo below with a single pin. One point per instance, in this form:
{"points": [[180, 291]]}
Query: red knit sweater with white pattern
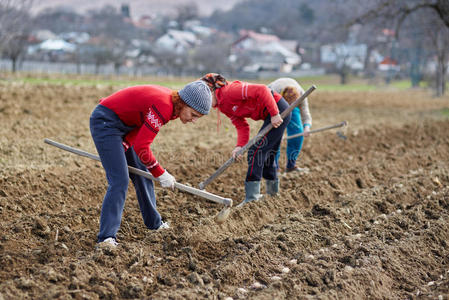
{"points": [[148, 108]]}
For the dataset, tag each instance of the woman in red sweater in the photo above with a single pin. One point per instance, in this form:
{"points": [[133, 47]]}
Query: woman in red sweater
{"points": [[240, 100], [123, 126]]}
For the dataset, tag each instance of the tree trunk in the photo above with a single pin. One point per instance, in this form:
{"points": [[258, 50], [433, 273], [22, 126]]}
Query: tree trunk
{"points": [[14, 64], [415, 66], [344, 72], [441, 76], [117, 68], [343, 78], [366, 63]]}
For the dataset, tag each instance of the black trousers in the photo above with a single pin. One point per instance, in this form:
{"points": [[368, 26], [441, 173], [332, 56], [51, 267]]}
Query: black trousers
{"points": [[261, 156]]}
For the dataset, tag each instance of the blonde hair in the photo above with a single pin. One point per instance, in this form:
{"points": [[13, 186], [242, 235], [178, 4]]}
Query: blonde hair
{"points": [[290, 93]]}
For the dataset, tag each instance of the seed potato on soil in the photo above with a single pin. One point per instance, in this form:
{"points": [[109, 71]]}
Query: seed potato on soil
{"points": [[369, 220]]}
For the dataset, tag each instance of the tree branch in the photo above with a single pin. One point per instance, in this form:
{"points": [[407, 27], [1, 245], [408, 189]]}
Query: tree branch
{"points": [[405, 12], [442, 9]]}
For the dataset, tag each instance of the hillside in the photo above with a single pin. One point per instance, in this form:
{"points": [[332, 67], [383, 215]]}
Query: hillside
{"points": [[137, 7]]}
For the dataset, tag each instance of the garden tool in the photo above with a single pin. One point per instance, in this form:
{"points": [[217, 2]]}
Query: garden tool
{"points": [[344, 123], [219, 218]]}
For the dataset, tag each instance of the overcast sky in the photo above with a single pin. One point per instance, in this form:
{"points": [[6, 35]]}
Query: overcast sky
{"points": [[137, 7]]}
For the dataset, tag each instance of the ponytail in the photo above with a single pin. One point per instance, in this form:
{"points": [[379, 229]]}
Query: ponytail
{"points": [[214, 81]]}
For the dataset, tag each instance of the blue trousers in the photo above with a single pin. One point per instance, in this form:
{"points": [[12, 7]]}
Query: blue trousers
{"points": [[294, 146], [107, 132], [261, 156]]}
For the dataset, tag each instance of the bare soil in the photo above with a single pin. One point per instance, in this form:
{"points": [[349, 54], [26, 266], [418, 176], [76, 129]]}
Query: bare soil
{"points": [[370, 219]]}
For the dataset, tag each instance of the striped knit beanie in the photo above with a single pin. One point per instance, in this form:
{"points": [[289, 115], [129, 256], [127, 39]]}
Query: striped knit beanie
{"points": [[198, 96]]}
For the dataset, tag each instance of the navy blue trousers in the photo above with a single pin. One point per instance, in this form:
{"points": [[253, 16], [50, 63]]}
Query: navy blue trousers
{"points": [[107, 132], [261, 156]]}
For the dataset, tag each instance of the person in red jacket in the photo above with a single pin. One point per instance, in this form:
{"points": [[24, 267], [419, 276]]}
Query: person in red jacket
{"points": [[123, 126], [240, 100]]}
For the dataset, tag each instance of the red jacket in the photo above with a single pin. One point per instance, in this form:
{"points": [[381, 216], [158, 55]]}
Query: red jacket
{"points": [[239, 100], [147, 107]]}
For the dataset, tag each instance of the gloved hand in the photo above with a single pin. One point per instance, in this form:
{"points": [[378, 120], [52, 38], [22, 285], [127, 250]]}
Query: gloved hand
{"points": [[167, 180]]}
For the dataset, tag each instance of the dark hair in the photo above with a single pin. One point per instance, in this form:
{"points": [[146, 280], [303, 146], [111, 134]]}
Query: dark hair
{"points": [[214, 81]]}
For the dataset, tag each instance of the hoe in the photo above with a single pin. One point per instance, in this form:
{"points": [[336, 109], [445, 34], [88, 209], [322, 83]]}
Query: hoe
{"points": [[341, 124], [219, 218]]}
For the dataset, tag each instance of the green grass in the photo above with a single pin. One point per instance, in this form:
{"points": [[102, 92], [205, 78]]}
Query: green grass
{"points": [[406, 84], [323, 82], [445, 112], [92, 80], [346, 87], [99, 81], [332, 83]]}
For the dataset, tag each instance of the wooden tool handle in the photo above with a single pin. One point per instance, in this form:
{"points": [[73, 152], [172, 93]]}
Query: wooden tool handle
{"points": [[344, 123], [180, 186]]}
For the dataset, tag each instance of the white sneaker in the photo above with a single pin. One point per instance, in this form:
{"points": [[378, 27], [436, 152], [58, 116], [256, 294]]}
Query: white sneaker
{"points": [[109, 242], [164, 225]]}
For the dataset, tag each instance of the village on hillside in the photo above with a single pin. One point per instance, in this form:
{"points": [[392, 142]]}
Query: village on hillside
{"points": [[161, 46]]}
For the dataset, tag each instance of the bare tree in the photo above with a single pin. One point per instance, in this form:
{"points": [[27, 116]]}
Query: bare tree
{"points": [[399, 10], [170, 62], [15, 24], [342, 67], [117, 49], [110, 23], [59, 19], [433, 18], [101, 57], [212, 54], [439, 35], [186, 12], [14, 48], [95, 54]]}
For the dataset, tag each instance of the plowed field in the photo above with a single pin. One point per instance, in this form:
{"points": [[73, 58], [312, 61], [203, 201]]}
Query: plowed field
{"points": [[369, 220]]}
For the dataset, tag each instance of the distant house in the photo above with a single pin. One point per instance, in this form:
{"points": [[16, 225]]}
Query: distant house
{"points": [[75, 37], [144, 22], [350, 55], [388, 64], [198, 29], [42, 35], [57, 45], [265, 52], [51, 50], [52, 45], [177, 41]]}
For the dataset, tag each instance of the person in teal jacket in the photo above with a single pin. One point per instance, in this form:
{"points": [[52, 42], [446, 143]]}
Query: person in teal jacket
{"points": [[300, 122]]}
